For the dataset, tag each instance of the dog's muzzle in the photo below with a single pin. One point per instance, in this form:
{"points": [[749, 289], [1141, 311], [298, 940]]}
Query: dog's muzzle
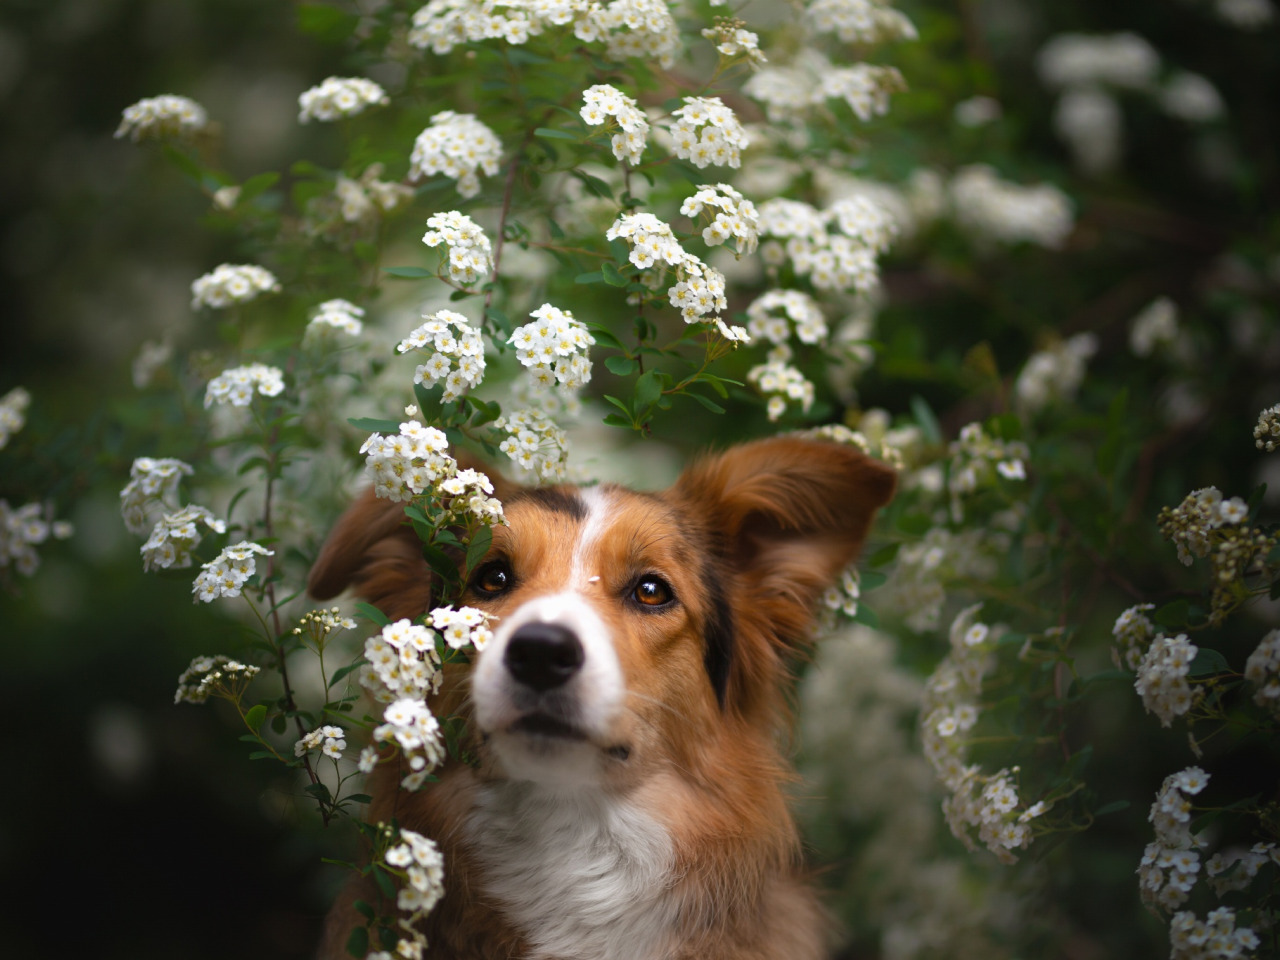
{"points": [[543, 656]]}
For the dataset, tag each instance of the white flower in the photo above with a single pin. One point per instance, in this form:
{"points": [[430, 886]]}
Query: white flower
{"points": [[1162, 677], [789, 92], [1266, 435], [459, 146], [976, 111], [733, 40], [238, 385], [996, 209], [338, 98], [539, 449], [469, 250], [1054, 374], [337, 315], [859, 21], [232, 284], [456, 349], [779, 382], [1263, 670], [13, 413], [152, 489], [602, 101], [22, 530], [1156, 325], [175, 535], [555, 342], [707, 133], [731, 216], [206, 676], [1246, 14], [407, 464], [768, 314], [1189, 96], [1077, 60], [167, 115], [226, 574]]}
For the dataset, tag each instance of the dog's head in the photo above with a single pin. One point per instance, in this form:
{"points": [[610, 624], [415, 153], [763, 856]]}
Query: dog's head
{"points": [[636, 630]]}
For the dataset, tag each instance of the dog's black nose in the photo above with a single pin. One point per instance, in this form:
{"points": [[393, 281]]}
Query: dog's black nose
{"points": [[543, 655]]}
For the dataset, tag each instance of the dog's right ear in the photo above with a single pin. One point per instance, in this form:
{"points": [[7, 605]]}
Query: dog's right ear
{"points": [[373, 549]]}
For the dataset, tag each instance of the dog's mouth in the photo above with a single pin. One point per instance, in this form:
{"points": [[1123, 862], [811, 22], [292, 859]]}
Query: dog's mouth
{"points": [[545, 725]]}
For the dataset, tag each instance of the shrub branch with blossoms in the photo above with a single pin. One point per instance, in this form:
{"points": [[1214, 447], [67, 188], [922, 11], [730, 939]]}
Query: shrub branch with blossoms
{"points": [[645, 214]]}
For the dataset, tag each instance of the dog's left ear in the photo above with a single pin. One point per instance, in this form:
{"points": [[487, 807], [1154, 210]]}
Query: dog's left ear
{"points": [[793, 514]]}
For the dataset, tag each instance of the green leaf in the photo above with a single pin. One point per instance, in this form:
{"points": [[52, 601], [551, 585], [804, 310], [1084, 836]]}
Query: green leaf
{"points": [[478, 547], [375, 425], [183, 163], [622, 366], [1208, 662], [366, 911], [319, 791], [550, 134], [707, 402], [358, 942], [594, 184], [583, 278], [385, 883], [884, 556], [870, 579], [925, 419], [613, 420], [412, 273], [328, 23], [255, 717], [648, 389], [369, 612], [279, 723], [1173, 614], [256, 185], [613, 276], [866, 616], [1114, 807], [438, 561], [620, 405], [344, 671]]}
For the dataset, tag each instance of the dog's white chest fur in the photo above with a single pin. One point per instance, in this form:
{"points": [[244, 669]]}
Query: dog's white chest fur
{"points": [[582, 876]]}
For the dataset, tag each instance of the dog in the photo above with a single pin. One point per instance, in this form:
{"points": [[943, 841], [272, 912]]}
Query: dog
{"points": [[628, 716]]}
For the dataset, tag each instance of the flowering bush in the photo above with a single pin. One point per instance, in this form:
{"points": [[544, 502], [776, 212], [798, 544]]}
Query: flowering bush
{"points": [[692, 228]]}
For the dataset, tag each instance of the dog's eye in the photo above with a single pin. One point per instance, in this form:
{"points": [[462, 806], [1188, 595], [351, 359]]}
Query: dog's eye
{"points": [[493, 578], [652, 591]]}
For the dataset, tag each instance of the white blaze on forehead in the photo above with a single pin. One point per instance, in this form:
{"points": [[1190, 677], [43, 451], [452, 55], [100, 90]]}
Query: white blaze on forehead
{"points": [[597, 501]]}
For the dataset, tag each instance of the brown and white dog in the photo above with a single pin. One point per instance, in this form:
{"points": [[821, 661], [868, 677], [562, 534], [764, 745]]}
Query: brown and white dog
{"points": [[629, 711]]}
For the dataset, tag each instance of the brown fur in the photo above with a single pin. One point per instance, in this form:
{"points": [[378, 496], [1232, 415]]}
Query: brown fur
{"points": [[758, 531]]}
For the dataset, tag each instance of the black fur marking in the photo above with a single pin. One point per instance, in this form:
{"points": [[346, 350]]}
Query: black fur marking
{"points": [[718, 656], [556, 499]]}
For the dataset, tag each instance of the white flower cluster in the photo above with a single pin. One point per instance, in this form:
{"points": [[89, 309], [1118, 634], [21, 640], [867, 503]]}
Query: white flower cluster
{"points": [[13, 413], [554, 348], [838, 261], [175, 535], [470, 253], [1235, 869], [1054, 374], [916, 591], [238, 385], [707, 133], [316, 625], [788, 93], [410, 724], [733, 40], [1133, 632], [1266, 435], [329, 740], [844, 596], [450, 338], [403, 663], [778, 381], [1170, 863], [421, 864], [732, 216], [152, 489], [977, 459], [231, 284], [340, 97], [629, 28], [986, 805], [363, 199], [226, 574], [462, 628], [24, 529], [167, 115], [768, 317], [892, 445], [1190, 97], [459, 146], [1120, 60], [1190, 525], [859, 21], [336, 315], [698, 290], [213, 676], [535, 444], [1155, 326], [1162, 677], [1263, 670], [995, 209], [602, 101], [1245, 14], [1215, 938], [407, 464]]}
